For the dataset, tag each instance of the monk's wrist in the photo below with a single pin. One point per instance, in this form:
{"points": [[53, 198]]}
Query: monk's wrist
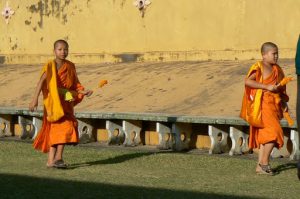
{"points": [[265, 87]]}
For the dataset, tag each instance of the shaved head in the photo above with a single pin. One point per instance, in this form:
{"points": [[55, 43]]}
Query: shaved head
{"points": [[60, 41], [268, 46]]}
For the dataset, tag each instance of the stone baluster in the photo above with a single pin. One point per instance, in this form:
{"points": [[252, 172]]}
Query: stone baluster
{"points": [[182, 133], [165, 136], [239, 141], [115, 137], [218, 138], [295, 154], [6, 126], [85, 131], [132, 130]]}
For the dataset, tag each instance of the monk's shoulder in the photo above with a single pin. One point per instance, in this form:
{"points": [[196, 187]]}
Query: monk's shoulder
{"points": [[47, 66], [48, 63], [255, 68], [278, 67], [70, 64], [280, 71]]}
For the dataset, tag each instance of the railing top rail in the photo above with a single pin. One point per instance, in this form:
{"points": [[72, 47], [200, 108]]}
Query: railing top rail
{"points": [[159, 117]]}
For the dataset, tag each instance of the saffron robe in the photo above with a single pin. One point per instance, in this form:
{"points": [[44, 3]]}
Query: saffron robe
{"points": [[59, 123], [263, 110]]}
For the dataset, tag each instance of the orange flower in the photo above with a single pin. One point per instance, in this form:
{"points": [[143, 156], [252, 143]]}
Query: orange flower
{"points": [[102, 83], [285, 80]]}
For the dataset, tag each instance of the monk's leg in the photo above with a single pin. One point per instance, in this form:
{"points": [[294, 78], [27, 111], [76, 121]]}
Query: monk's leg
{"points": [[51, 155], [260, 155], [59, 152], [266, 153]]}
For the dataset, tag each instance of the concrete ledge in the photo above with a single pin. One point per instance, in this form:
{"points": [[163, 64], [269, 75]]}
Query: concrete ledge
{"points": [[20, 111], [157, 117]]}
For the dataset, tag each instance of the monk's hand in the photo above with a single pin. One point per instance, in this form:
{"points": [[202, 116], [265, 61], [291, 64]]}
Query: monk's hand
{"points": [[87, 92], [280, 87], [272, 88], [33, 105], [285, 106]]}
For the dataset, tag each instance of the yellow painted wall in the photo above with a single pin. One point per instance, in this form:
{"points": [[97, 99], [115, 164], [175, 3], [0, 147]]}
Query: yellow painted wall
{"points": [[101, 30]]}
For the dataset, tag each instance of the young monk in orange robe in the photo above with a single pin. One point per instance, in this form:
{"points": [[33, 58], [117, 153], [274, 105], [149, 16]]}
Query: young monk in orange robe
{"points": [[262, 108], [62, 91]]}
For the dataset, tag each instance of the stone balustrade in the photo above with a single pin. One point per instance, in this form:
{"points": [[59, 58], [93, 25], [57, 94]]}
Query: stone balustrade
{"points": [[175, 132]]}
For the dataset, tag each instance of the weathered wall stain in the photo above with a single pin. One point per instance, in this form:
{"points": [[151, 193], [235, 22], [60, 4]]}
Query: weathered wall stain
{"points": [[87, 2], [38, 9], [122, 3], [128, 57], [13, 42], [14, 47], [27, 22], [54, 8], [2, 59]]}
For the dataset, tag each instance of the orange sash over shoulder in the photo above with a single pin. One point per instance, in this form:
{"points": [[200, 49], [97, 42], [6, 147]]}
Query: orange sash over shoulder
{"points": [[251, 105], [59, 123], [52, 103]]}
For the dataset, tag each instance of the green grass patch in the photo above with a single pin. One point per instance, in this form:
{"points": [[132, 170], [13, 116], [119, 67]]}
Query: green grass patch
{"points": [[122, 173]]}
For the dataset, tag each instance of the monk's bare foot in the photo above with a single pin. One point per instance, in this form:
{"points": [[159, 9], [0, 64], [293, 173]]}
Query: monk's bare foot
{"points": [[60, 164], [50, 165], [258, 169], [264, 169]]}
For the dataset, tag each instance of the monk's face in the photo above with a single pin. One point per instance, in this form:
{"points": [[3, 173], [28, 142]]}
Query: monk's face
{"points": [[61, 50], [271, 56]]}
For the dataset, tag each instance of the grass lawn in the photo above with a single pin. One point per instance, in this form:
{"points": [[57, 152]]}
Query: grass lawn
{"points": [[119, 172]]}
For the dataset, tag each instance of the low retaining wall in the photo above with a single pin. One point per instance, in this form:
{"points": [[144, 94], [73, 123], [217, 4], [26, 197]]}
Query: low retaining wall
{"points": [[176, 132]]}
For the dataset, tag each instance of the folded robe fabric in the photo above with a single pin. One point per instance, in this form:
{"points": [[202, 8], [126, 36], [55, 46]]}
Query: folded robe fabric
{"points": [[59, 123], [52, 103], [263, 109], [251, 104]]}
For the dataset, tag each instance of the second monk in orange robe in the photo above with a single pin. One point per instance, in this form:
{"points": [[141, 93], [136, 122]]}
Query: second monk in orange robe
{"points": [[61, 91]]}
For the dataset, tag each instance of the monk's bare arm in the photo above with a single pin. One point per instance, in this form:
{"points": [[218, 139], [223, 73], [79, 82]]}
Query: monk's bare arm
{"points": [[80, 89], [34, 103], [252, 83]]}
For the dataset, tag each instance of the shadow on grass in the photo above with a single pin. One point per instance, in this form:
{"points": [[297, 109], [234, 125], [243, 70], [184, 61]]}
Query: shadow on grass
{"points": [[114, 160], [284, 167], [298, 169], [18, 186]]}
